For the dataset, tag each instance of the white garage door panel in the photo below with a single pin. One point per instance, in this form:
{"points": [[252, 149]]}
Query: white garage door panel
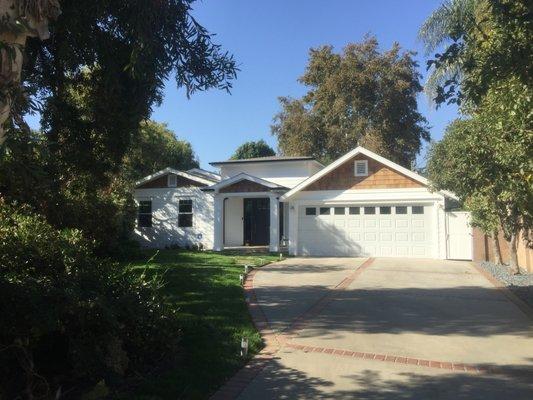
{"points": [[379, 235]]}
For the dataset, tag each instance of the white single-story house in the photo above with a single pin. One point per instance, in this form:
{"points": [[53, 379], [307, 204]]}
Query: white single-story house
{"points": [[360, 205]]}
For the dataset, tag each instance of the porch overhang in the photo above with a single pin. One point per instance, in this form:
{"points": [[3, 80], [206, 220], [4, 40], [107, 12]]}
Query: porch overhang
{"points": [[245, 183]]}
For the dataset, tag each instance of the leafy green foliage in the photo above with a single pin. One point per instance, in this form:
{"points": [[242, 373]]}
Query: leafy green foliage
{"points": [[360, 97], [253, 149], [488, 161], [155, 148], [70, 320], [484, 42]]}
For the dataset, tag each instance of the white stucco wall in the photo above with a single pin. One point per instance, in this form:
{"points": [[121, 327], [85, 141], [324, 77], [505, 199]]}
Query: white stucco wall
{"points": [[165, 230], [234, 211], [285, 173]]}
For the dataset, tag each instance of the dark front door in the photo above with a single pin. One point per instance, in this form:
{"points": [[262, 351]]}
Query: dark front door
{"points": [[256, 222]]}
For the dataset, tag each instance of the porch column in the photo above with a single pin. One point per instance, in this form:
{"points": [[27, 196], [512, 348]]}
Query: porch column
{"points": [[219, 223], [274, 224]]}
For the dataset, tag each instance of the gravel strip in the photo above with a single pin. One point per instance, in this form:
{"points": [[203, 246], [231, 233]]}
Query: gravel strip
{"points": [[521, 285]]}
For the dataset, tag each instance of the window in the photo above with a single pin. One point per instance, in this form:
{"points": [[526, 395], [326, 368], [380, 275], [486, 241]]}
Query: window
{"points": [[401, 209], [370, 210], [325, 211], [384, 210], [172, 180], [339, 211], [144, 215], [310, 211], [185, 213], [417, 210], [355, 211], [361, 168]]}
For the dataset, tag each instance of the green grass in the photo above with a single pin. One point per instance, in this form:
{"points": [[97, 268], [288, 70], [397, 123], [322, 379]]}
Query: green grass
{"points": [[205, 288]]}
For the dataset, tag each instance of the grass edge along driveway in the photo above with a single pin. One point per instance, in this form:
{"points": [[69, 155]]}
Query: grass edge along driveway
{"points": [[204, 287]]}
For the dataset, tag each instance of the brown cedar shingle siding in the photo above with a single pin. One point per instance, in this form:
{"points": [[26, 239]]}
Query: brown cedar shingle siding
{"points": [[244, 186], [161, 182], [379, 177]]}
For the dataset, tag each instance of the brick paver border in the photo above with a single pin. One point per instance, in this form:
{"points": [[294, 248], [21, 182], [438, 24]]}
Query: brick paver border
{"points": [[390, 358]]}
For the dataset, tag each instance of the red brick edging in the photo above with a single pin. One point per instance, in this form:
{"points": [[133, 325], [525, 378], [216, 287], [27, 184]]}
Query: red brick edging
{"points": [[390, 358]]}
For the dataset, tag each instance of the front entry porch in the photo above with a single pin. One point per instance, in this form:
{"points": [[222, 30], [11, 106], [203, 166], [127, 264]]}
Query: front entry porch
{"points": [[247, 212], [247, 221]]}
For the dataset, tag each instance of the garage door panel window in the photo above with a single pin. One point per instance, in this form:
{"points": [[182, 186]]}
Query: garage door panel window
{"points": [[325, 211], [384, 210], [185, 213], [339, 211], [310, 211], [417, 210], [355, 210], [370, 210], [400, 210]]}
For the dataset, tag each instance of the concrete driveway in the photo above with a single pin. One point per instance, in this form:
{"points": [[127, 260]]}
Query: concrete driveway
{"points": [[351, 328]]}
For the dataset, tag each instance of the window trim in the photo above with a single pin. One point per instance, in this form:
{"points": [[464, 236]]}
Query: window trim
{"points": [[191, 213], [363, 162], [169, 184]]}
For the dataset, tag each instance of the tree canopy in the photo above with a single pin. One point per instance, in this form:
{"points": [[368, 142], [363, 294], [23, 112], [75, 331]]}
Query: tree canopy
{"points": [[483, 41], [485, 66], [359, 97], [155, 148], [253, 149]]}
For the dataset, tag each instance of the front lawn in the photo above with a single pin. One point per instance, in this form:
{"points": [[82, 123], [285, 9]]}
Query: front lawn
{"points": [[204, 287]]}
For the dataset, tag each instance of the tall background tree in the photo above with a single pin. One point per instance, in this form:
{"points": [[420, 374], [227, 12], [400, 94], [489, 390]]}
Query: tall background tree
{"points": [[155, 148], [485, 66], [253, 149], [360, 97]]}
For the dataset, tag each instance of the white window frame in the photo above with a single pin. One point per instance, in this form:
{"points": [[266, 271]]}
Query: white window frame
{"points": [[191, 213], [169, 183], [359, 162]]}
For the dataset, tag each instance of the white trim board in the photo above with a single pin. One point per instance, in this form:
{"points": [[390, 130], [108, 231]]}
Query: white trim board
{"points": [[241, 177], [347, 157], [169, 170]]}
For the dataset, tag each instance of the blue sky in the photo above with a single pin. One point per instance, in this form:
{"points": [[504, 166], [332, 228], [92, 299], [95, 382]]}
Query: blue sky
{"points": [[270, 41]]}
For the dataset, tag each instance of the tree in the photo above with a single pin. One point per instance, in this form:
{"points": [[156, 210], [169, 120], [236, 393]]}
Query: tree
{"points": [[491, 80], [486, 160], [21, 19], [475, 36], [360, 97], [155, 148], [253, 149]]}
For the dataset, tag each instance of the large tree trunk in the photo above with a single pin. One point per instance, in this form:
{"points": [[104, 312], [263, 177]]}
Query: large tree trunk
{"points": [[513, 259], [496, 247], [30, 18]]}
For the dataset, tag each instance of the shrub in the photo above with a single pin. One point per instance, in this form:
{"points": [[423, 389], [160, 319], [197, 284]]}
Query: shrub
{"points": [[70, 320]]}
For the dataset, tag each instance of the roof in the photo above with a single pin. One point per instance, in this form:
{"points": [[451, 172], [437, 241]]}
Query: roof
{"points": [[202, 173], [241, 177], [265, 159], [370, 154], [188, 175]]}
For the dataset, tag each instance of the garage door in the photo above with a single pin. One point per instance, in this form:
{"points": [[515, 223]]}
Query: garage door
{"points": [[367, 230]]}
